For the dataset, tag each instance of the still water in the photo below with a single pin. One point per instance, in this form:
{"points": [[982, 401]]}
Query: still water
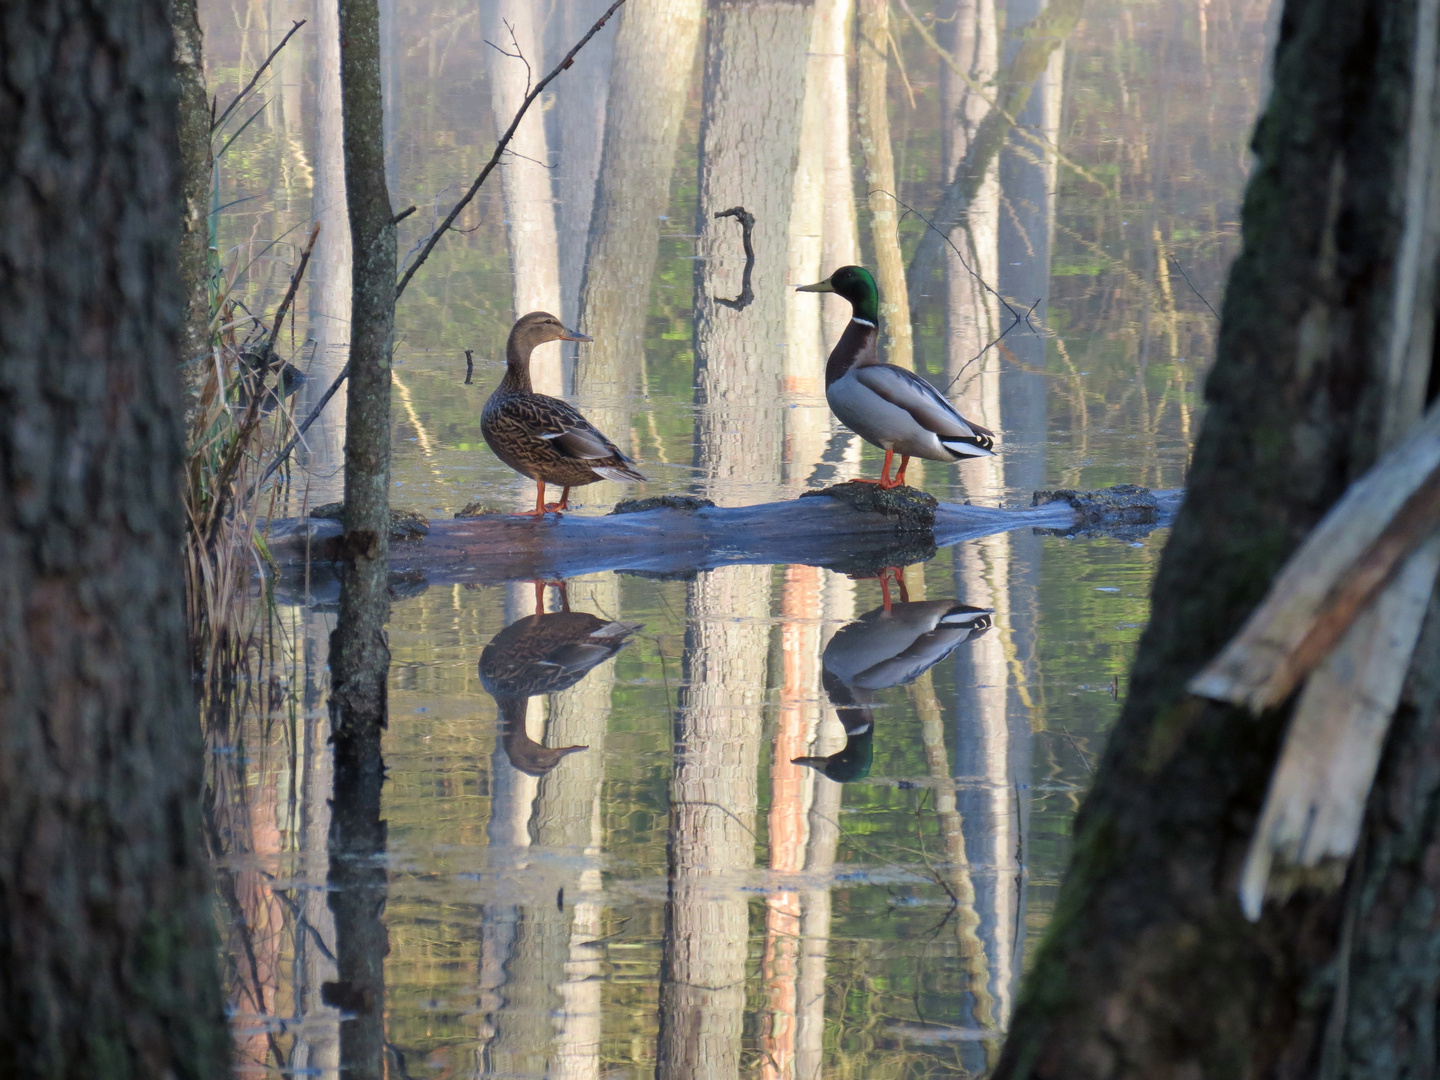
{"points": [[676, 894]]}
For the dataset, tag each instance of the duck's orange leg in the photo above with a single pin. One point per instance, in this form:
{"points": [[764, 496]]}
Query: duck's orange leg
{"points": [[540, 598], [884, 481], [900, 476], [539, 510], [563, 504]]}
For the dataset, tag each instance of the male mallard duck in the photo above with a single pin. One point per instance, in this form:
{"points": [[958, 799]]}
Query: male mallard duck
{"points": [[890, 647], [543, 437], [886, 405], [547, 653], [852, 761]]}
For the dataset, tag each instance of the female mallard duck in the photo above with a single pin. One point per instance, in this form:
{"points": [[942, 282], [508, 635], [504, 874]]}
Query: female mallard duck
{"points": [[543, 437], [886, 405], [530, 757]]}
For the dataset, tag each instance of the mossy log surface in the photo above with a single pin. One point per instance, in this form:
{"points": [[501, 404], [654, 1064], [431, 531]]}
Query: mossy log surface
{"points": [[852, 527]]}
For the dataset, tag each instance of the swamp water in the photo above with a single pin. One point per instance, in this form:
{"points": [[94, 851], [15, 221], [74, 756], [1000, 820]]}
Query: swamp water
{"points": [[680, 897]]}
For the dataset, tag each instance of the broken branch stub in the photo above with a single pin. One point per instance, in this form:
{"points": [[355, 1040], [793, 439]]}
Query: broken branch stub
{"points": [[1342, 566]]}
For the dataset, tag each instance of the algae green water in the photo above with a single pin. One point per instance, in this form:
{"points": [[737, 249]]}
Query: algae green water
{"points": [[680, 898]]}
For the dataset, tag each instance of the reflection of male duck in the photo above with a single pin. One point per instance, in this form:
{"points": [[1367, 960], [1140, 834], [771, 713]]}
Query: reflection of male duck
{"points": [[544, 654], [889, 646]]}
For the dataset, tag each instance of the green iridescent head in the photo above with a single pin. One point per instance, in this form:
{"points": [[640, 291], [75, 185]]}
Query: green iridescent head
{"points": [[855, 284]]}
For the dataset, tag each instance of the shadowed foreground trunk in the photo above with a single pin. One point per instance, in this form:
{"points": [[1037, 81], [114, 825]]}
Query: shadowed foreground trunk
{"points": [[1150, 969], [107, 953], [359, 655]]}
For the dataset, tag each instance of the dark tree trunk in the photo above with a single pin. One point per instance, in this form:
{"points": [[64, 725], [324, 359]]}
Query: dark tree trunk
{"points": [[359, 654], [360, 659], [195, 163], [107, 953], [1150, 969]]}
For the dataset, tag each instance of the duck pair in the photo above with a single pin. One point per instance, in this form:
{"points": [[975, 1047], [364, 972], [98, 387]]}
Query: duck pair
{"points": [[549, 441]]}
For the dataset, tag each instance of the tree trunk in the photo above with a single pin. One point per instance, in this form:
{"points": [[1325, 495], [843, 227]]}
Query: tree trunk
{"points": [[654, 58], [359, 653], [195, 165], [749, 137], [872, 63], [1149, 968], [107, 950], [525, 177]]}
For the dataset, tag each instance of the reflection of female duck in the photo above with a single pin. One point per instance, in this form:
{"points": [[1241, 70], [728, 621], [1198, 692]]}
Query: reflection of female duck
{"points": [[886, 647], [543, 437], [886, 405], [544, 654]]}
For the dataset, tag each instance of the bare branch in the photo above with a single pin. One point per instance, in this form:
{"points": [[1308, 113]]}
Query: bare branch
{"points": [[215, 124], [501, 145]]}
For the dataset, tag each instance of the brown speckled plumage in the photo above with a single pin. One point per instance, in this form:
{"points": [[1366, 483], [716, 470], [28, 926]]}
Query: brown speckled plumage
{"points": [[543, 437], [544, 654]]}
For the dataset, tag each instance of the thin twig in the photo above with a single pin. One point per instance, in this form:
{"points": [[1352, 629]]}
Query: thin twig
{"points": [[469, 366], [215, 124], [284, 307], [500, 147], [1192, 286], [747, 228], [304, 427]]}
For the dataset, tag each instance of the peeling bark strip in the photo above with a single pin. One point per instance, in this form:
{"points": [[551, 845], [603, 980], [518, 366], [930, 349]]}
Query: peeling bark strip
{"points": [[107, 953], [1150, 968]]}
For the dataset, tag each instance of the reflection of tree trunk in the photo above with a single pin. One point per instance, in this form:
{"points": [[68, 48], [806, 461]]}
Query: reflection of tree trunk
{"points": [[567, 819], [358, 885], [106, 936], [712, 824], [791, 790], [872, 49], [580, 107], [525, 178], [328, 275], [749, 136], [838, 598], [317, 1046], [653, 60]]}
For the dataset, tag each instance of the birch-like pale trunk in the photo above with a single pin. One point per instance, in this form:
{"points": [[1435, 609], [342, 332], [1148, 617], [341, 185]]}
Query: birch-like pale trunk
{"points": [[525, 177], [973, 311], [749, 139], [713, 792], [840, 242], [328, 275], [580, 108], [654, 58], [872, 65]]}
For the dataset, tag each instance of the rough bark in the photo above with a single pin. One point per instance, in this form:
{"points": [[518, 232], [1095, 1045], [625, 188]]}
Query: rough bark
{"points": [[360, 658], [359, 653], [195, 164], [872, 50], [749, 137], [1149, 968], [107, 953]]}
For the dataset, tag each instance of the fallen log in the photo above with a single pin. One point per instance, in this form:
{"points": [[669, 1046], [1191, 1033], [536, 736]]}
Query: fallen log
{"points": [[851, 528]]}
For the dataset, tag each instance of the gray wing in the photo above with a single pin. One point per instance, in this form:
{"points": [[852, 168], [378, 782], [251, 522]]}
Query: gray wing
{"points": [[910, 392]]}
